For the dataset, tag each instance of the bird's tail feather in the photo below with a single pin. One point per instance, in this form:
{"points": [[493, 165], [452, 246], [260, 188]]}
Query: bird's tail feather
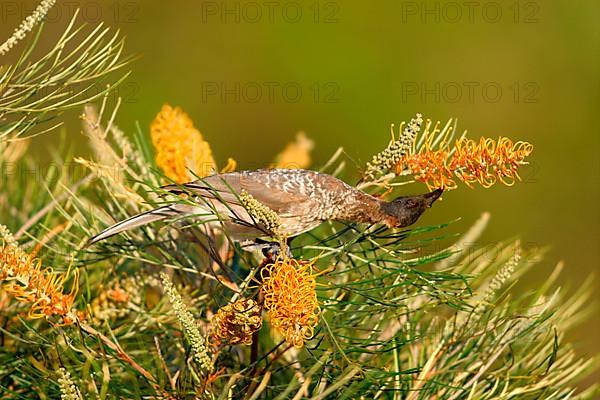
{"points": [[138, 220]]}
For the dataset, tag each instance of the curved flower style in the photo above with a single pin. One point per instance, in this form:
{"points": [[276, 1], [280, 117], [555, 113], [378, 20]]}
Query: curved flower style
{"points": [[25, 279], [489, 161], [290, 299], [485, 162]]}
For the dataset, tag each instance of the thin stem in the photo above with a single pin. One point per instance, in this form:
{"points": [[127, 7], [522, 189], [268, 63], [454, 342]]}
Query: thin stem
{"points": [[121, 355]]}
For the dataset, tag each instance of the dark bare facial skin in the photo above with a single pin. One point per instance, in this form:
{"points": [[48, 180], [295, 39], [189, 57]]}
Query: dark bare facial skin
{"points": [[406, 210]]}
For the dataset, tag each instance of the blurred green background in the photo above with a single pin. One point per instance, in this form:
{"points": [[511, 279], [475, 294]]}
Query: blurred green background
{"points": [[252, 74]]}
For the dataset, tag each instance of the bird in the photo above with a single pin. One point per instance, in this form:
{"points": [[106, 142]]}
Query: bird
{"points": [[302, 200]]}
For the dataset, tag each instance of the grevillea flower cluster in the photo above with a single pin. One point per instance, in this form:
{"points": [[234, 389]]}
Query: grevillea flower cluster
{"points": [[24, 277], [235, 323], [27, 25], [485, 162], [68, 389], [396, 149], [114, 301], [180, 147], [189, 324], [261, 213], [296, 154], [290, 299], [6, 235]]}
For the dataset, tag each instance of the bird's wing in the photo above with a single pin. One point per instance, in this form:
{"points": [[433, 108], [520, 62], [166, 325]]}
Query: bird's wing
{"points": [[273, 190]]}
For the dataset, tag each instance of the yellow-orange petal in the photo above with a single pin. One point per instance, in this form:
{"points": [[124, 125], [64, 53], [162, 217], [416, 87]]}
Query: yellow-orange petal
{"points": [[181, 151]]}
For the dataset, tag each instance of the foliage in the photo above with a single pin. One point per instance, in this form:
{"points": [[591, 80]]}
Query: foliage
{"points": [[174, 310], [75, 71]]}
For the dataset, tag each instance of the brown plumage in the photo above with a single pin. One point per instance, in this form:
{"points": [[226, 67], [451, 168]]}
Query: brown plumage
{"points": [[302, 199]]}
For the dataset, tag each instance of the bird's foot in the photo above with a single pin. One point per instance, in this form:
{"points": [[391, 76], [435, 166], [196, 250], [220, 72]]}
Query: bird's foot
{"points": [[273, 250]]}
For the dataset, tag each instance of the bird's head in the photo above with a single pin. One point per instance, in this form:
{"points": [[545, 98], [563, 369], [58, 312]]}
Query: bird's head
{"points": [[406, 210]]}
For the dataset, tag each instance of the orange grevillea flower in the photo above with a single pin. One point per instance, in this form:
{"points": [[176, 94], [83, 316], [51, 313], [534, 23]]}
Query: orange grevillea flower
{"points": [[113, 301], [24, 277], [485, 162], [180, 146], [290, 299], [430, 167], [235, 323], [296, 154]]}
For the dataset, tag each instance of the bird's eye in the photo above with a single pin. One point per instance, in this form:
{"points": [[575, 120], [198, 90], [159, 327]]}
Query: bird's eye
{"points": [[411, 203]]}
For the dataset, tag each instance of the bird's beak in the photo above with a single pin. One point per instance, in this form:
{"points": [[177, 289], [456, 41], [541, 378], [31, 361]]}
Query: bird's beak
{"points": [[433, 196]]}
